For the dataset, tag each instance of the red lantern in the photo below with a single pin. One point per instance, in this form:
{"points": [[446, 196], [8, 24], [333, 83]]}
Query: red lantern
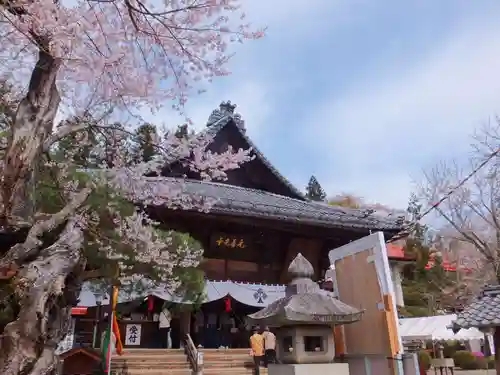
{"points": [[228, 304], [151, 303]]}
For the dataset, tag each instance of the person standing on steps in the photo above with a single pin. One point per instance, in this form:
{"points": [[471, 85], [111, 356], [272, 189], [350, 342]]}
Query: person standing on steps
{"points": [[164, 326], [257, 345], [269, 347]]}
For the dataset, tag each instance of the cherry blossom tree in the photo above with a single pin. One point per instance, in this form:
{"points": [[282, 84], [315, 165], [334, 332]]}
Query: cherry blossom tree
{"points": [[465, 195], [54, 227]]}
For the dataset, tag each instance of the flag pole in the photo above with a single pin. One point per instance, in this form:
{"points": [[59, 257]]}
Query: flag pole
{"points": [[110, 327]]}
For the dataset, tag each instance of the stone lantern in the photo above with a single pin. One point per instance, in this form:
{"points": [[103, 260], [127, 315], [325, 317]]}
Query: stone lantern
{"points": [[304, 321]]}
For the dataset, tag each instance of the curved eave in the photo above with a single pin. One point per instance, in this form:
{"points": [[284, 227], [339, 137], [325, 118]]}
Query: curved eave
{"points": [[244, 202]]}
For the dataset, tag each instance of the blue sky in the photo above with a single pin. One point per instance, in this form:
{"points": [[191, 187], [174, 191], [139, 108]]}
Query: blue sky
{"points": [[362, 94]]}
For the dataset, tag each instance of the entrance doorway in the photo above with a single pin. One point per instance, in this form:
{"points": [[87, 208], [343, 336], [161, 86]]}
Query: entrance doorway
{"points": [[223, 323]]}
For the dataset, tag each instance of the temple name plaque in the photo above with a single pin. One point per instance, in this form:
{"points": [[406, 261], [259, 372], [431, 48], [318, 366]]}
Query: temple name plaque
{"points": [[229, 241]]}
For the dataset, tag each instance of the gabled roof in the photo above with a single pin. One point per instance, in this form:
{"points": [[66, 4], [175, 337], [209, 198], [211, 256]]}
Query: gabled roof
{"points": [[483, 311], [91, 353], [293, 207], [239, 201], [225, 116]]}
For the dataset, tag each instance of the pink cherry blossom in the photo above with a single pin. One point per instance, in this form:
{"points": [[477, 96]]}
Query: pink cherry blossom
{"points": [[96, 57]]}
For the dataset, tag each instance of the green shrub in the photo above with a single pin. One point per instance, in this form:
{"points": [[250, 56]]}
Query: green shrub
{"points": [[424, 360], [428, 344], [465, 360], [472, 365], [450, 348], [481, 363], [491, 362]]}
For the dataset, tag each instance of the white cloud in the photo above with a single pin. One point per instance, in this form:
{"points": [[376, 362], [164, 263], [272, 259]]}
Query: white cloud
{"points": [[298, 19], [251, 98], [423, 111], [290, 23]]}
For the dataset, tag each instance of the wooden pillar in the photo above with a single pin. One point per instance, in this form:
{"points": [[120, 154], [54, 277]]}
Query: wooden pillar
{"points": [[496, 344], [390, 317], [185, 323], [338, 335]]}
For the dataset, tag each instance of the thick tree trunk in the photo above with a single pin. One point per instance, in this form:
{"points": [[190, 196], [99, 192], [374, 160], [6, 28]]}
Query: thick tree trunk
{"points": [[33, 123], [45, 289], [46, 283]]}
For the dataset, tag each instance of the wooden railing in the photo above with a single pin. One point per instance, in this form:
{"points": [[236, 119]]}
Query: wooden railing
{"points": [[192, 354]]}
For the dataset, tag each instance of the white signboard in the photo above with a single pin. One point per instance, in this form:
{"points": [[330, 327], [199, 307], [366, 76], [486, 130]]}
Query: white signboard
{"points": [[133, 334]]}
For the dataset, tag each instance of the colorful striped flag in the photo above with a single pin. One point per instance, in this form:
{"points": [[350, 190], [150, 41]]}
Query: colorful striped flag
{"points": [[107, 346]]}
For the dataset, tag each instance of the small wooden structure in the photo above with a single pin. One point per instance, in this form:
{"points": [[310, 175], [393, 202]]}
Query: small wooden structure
{"points": [[79, 361], [362, 278]]}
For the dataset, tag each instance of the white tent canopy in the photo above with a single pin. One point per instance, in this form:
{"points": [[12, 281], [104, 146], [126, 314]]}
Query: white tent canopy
{"points": [[256, 295], [435, 328]]}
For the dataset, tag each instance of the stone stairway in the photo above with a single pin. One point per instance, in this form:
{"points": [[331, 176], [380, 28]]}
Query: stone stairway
{"points": [[174, 362], [151, 362], [228, 362]]}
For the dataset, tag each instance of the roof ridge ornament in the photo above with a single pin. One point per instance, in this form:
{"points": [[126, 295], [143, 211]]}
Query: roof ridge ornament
{"points": [[226, 109]]}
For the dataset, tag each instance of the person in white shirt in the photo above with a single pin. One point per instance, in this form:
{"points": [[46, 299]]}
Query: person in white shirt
{"points": [[269, 346], [164, 325]]}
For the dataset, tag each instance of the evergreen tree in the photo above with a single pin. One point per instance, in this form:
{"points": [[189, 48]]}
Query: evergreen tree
{"points": [[145, 148], [314, 191]]}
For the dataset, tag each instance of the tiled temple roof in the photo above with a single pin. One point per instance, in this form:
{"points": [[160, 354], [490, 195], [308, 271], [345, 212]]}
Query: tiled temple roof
{"points": [[483, 311], [235, 200], [224, 116]]}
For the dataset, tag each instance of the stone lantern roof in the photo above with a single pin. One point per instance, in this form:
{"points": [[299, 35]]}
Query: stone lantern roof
{"points": [[305, 303]]}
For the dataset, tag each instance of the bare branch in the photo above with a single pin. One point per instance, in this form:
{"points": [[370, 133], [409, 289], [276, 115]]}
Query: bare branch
{"points": [[467, 196]]}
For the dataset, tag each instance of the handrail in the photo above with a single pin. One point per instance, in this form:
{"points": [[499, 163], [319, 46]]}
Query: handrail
{"points": [[192, 353]]}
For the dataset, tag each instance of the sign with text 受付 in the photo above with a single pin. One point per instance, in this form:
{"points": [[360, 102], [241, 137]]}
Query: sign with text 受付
{"points": [[133, 334]]}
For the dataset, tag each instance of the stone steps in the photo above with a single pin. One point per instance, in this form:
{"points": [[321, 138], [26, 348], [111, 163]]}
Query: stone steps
{"points": [[151, 362], [174, 362], [210, 371]]}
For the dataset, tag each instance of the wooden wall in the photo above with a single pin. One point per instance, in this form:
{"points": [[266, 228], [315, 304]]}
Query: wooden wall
{"points": [[358, 286], [271, 268], [236, 270], [310, 248]]}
